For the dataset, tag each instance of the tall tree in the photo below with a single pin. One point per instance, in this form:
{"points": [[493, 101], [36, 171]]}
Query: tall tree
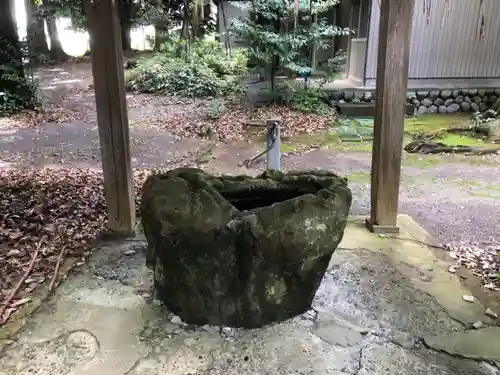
{"points": [[50, 11], [283, 34], [9, 40], [16, 90], [35, 27]]}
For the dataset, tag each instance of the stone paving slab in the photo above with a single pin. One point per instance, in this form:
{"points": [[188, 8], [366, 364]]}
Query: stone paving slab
{"points": [[385, 306]]}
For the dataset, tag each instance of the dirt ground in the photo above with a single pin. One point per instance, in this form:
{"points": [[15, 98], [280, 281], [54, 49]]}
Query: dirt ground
{"points": [[105, 320], [457, 199]]}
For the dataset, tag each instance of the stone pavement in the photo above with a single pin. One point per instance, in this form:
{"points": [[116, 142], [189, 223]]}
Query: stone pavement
{"points": [[385, 306]]}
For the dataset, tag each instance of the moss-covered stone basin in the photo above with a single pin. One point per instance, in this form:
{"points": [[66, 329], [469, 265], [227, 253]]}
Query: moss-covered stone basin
{"points": [[242, 251]]}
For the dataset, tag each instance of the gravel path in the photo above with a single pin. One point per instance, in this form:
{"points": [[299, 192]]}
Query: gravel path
{"points": [[455, 198], [68, 136], [456, 201]]}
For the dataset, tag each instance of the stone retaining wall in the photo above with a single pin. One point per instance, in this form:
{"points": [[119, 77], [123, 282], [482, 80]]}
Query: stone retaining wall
{"points": [[431, 101]]}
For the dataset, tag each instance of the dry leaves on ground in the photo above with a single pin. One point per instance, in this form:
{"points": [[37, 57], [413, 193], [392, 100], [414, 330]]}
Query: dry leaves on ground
{"points": [[187, 118], [483, 261], [47, 215], [48, 209], [56, 210]]}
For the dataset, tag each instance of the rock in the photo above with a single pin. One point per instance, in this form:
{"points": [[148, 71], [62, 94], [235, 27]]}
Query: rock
{"points": [[448, 102], [492, 99], [445, 94], [336, 95], [477, 99], [473, 92], [358, 95], [483, 107], [489, 312], [427, 102], [490, 92], [468, 99], [341, 101], [477, 325], [474, 107], [209, 328], [176, 320], [348, 96], [453, 268], [497, 92], [442, 109], [433, 109], [439, 102], [455, 93], [464, 92], [468, 298], [433, 95], [310, 315], [227, 332], [422, 110], [411, 95], [129, 252], [241, 251], [421, 95], [481, 92], [453, 107], [367, 96], [459, 99], [415, 102]]}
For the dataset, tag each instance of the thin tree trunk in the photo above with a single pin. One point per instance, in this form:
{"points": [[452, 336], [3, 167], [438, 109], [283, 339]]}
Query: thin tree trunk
{"points": [[35, 28], [126, 38], [10, 49], [11, 57], [56, 51], [227, 42], [124, 8]]}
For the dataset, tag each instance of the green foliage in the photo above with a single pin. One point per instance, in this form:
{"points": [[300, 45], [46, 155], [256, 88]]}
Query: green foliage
{"points": [[277, 32], [214, 109], [201, 69], [17, 89], [307, 100]]}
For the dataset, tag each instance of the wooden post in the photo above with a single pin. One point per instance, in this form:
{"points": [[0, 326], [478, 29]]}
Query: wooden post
{"points": [[107, 68], [396, 18]]}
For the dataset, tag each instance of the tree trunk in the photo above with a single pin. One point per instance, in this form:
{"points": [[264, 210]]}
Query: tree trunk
{"points": [[161, 33], [125, 9], [56, 51], [35, 27], [10, 49], [343, 19], [126, 38], [20, 91]]}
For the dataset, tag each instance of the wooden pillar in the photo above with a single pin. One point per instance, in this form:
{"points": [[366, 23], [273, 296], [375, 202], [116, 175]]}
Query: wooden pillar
{"points": [[396, 18], [107, 68]]}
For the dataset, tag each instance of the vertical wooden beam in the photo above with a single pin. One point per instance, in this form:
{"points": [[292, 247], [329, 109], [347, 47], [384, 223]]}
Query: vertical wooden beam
{"points": [[396, 18], [107, 68]]}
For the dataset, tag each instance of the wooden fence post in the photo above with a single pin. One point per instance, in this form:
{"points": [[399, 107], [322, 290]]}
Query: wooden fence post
{"points": [[107, 68], [396, 18]]}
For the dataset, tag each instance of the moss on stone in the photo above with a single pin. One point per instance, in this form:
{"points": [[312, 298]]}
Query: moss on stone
{"points": [[242, 251]]}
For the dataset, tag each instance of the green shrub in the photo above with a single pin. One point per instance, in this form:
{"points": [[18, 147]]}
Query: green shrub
{"points": [[214, 109], [306, 100], [17, 89], [202, 70]]}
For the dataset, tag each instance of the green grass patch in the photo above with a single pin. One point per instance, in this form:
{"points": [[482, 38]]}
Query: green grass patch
{"points": [[434, 123]]}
